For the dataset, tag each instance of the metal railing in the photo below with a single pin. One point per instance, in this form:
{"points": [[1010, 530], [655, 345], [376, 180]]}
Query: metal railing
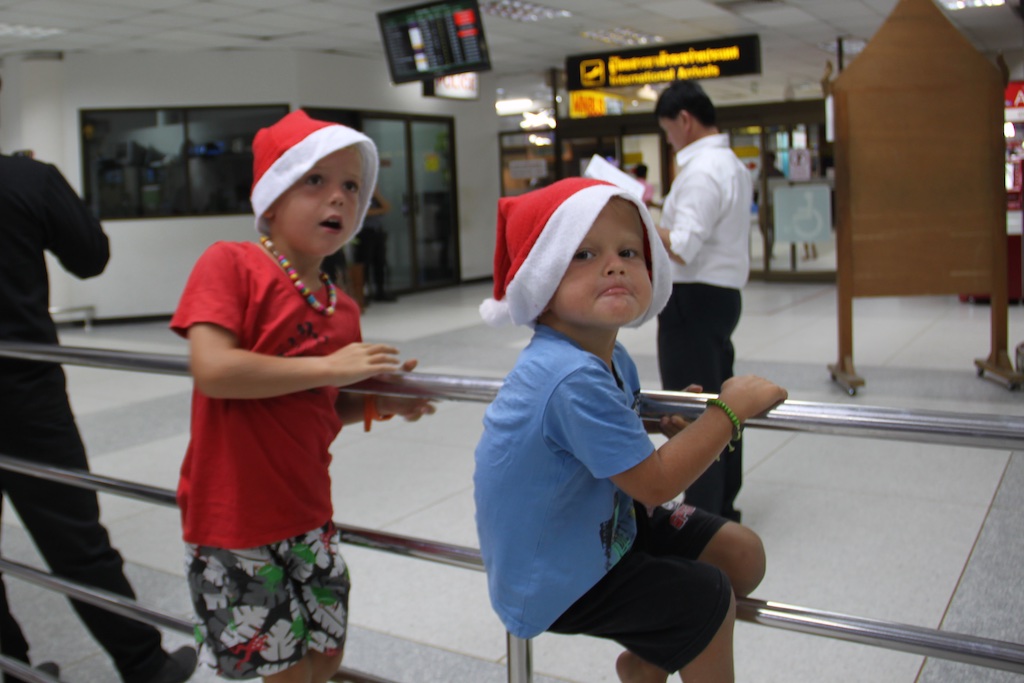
{"points": [[86, 313], [1003, 432], [922, 426]]}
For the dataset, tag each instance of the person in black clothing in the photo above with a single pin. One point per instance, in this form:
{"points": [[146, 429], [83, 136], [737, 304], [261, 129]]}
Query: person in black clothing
{"points": [[40, 212], [372, 247]]}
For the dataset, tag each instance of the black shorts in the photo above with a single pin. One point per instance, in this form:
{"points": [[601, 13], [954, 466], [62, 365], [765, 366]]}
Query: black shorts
{"points": [[657, 601]]}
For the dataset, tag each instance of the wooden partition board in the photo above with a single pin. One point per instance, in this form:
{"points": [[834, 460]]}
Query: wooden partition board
{"points": [[921, 204]]}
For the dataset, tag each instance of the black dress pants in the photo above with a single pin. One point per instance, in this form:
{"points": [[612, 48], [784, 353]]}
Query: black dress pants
{"points": [[372, 250], [695, 347], [63, 522]]}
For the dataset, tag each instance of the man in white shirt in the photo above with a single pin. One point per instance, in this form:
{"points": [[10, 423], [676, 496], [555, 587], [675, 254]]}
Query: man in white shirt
{"points": [[705, 226]]}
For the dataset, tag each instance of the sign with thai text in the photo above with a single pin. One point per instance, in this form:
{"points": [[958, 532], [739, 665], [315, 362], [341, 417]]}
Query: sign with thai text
{"points": [[736, 56], [584, 104]]}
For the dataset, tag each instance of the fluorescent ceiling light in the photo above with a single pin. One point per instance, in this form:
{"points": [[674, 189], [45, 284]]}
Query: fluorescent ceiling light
{"points": [[623, 36], [522, 11], [954, 5], [19, 31], [513, 106]]}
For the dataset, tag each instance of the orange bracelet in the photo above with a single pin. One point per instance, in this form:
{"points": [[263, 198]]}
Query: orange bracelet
{"points": [[370, 412]]}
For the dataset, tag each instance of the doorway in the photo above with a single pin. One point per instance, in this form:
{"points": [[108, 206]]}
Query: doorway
{"points": [[417, 178]]}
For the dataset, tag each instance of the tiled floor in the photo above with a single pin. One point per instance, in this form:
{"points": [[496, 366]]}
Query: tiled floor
{"points": [[930, 535]]}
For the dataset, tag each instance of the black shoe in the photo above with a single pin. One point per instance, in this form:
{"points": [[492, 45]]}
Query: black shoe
{"points": [[50, 669], [385, 297], [178, 667]]}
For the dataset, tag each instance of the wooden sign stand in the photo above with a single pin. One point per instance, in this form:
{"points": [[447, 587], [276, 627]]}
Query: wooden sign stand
{"points": [[920, 195]]}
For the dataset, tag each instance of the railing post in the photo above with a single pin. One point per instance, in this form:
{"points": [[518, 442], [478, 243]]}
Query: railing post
{"points": [[520, 660]]}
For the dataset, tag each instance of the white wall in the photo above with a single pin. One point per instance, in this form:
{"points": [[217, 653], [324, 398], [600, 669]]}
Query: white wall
{"points": [[150, 259]]}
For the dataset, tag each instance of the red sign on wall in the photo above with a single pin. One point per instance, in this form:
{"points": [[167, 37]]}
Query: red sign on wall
{"points": [[1014, 96]]}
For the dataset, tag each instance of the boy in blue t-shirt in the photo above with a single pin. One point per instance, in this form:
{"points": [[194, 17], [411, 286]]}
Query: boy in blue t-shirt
{"points": [[565, 471]]}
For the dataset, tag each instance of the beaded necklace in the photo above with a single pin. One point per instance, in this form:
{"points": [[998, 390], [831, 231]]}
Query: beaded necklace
{"points": [[332, 292]]}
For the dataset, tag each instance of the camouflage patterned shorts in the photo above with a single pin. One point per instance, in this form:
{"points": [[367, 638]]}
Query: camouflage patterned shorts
{"points": [[260, 610]]}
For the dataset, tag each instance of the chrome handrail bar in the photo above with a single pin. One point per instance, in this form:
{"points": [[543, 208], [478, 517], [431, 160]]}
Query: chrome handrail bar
{"points": [[890, 635], [452, 555], [922, 426], [112, 602], [23, 671], [956, 647]]}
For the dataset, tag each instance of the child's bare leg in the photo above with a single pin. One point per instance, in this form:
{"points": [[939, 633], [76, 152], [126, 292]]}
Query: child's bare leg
{"points": [[738, 552], [300, 673], [324, 666], [713, 665], [315, 667], [632, 669]]}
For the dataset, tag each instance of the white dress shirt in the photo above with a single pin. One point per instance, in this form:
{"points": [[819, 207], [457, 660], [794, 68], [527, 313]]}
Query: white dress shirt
{"points": [[708, 213]]}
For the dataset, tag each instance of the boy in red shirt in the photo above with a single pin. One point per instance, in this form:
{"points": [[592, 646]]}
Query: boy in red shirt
{"points": [[270, 341]]}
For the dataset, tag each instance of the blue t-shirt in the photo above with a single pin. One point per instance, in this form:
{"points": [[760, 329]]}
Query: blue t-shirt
{"points": [[551, 522]]}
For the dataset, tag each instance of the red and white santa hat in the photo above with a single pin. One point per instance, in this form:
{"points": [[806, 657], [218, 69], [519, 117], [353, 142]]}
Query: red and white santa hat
{"points": [[283, 152], [538, 234]]}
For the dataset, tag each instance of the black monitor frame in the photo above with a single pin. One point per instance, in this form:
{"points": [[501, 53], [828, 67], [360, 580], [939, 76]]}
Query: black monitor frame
{"points": [[438, 54]]}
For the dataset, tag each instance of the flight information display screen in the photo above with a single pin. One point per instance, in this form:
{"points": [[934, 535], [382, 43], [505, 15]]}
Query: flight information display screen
{"points": [[434, 39]]}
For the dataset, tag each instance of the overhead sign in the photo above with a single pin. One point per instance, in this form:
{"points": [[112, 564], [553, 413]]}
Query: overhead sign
{"points": [[584, 104], [736, 56], [590, 103], [464, 86]]}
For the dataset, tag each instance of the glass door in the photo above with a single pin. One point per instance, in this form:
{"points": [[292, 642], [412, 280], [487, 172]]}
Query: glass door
{"points": [[393, 185], [641, 158], [416, 161], [434, 225], [796, 174]]}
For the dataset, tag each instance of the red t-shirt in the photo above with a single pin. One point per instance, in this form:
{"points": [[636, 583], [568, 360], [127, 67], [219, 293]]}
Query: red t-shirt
{"points": [[256, 470]]}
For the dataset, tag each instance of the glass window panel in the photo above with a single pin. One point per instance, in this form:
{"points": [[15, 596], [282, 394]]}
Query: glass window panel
{"points": [[527, 161], [219, 156], [133, 164], [148, 163]]}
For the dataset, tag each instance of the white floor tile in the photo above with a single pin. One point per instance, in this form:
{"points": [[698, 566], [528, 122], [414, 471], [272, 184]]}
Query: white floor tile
{"points": [[872, 528]]}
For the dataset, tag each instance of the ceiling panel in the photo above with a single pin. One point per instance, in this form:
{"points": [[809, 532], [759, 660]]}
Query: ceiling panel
{"points": [[522, 53]]}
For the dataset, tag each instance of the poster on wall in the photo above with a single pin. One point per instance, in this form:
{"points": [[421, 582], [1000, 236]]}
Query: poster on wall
{"points": [[799, 164]]}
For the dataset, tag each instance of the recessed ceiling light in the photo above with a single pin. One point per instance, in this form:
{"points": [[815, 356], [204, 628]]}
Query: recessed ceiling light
{"points": [[623, 36], [522, 11], [513, 106]]}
